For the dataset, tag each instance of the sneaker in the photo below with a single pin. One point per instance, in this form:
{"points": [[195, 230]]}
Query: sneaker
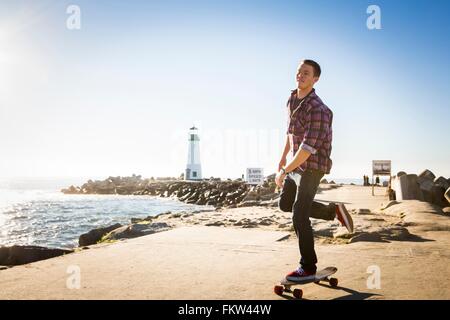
{"points": [[344, 217], [300, 275]]}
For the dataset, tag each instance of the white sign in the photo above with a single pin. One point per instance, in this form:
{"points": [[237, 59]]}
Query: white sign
{"points": [[381, 167], [255, 176]]}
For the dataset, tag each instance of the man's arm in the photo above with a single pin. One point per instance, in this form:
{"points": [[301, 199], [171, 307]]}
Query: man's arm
{"points": [[287, 148], [300, 157]]}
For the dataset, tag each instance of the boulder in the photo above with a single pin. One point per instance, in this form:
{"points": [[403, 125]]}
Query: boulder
{"points": [[401, 173], [137, 220], [426, 175], [406, 187], [446, 210], [324, 181], [18, 255], [136, 230], [363, 211], [437, 196], [447, 195], [93, 236], [332, 182], [442, 182], [426, 186]]}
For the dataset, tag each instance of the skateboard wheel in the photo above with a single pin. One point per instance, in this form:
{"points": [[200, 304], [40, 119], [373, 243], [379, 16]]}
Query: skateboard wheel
{"points": [[333, 282], [297, 293], [278, 290]]}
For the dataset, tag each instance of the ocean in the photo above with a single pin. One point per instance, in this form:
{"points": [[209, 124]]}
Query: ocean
{"points": [[35, 212]]}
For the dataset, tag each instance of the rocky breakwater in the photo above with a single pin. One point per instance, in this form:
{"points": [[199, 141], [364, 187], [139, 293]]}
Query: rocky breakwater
{"points": [[137, 228], [424, 187], [214, 192], [18, 255]]}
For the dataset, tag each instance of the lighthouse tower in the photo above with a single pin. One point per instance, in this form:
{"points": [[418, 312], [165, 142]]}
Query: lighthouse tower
{"points": [[193, 168]]}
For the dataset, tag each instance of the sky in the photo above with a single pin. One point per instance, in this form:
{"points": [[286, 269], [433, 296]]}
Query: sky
{"points": [[118, 95]]}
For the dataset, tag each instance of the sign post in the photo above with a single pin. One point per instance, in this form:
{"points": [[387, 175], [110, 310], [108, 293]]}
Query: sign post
{"points": [[255, 176], [380, 168]]}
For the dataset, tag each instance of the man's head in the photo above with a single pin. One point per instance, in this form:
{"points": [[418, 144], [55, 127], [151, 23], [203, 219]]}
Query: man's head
{"points": [[308, 74]]}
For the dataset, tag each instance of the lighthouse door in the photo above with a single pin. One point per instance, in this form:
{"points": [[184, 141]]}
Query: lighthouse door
{"points": [[188, 174]]}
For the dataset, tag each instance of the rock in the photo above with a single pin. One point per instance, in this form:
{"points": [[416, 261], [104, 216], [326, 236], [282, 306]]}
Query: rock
{"points": [[363, 211], [446, 209], [437, 196], [447, 195], [93, 236], [18, 255], [266, 222], [389, 204], [136, 230], [215, 224], [401, 173], [324, 181], [369, 237], [442, 182], [426, 186], [426, 175], [137, 220], [71, 190], [406, 187], [246, 223], [249, 204], [332, 182]]}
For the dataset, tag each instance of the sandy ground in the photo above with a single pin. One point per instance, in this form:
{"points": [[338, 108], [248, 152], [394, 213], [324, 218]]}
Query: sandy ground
{"points": [[399, 252]]}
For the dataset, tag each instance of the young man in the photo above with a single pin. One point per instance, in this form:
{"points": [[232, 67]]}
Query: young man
{"points": [[309, 136]]}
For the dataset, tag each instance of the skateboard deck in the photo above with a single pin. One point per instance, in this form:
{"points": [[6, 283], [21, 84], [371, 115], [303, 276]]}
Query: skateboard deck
{"points": [[321, 275]]}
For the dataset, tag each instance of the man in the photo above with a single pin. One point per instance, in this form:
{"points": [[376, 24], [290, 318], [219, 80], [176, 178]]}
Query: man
{"points": [[309, 136]]}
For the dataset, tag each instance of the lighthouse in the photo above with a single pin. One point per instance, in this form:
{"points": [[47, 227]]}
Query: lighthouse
{"points": [[193, 168]]}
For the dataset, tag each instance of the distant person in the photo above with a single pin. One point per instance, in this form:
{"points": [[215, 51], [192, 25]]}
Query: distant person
{"points": [[309, 136], [377, 180], [364, 181]]}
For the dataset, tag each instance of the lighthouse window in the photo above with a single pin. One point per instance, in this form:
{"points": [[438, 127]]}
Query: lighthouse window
{"points": [[194, 174], [192, 137]]}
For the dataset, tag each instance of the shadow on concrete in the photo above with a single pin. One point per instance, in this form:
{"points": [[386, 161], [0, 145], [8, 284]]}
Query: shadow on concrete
{"points": [[352, 294], [386, 235]]}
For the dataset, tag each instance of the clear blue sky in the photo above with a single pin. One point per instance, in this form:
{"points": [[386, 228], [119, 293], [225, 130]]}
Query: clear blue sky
{"points": [[118, 96]]}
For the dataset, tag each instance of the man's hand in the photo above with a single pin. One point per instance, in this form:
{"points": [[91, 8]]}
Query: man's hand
{"points": [[279, 179], [282, 163]]}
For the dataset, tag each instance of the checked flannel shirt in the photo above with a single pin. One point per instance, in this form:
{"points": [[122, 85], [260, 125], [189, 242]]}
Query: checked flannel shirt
{"points": [[309, 128]]}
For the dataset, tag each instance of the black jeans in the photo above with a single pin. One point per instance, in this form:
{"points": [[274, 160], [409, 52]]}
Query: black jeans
{"points": [[300, 200]]}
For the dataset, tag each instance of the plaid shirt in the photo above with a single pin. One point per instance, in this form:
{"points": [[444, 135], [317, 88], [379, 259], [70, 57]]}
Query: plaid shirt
{"points": [[309, 128]]}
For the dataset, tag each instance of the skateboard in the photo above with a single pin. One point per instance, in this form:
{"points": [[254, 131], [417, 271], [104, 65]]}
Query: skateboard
{"points": [[322, 275]]}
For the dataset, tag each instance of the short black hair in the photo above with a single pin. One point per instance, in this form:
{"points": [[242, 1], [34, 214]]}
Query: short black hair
{"points": [[315, 65]]}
